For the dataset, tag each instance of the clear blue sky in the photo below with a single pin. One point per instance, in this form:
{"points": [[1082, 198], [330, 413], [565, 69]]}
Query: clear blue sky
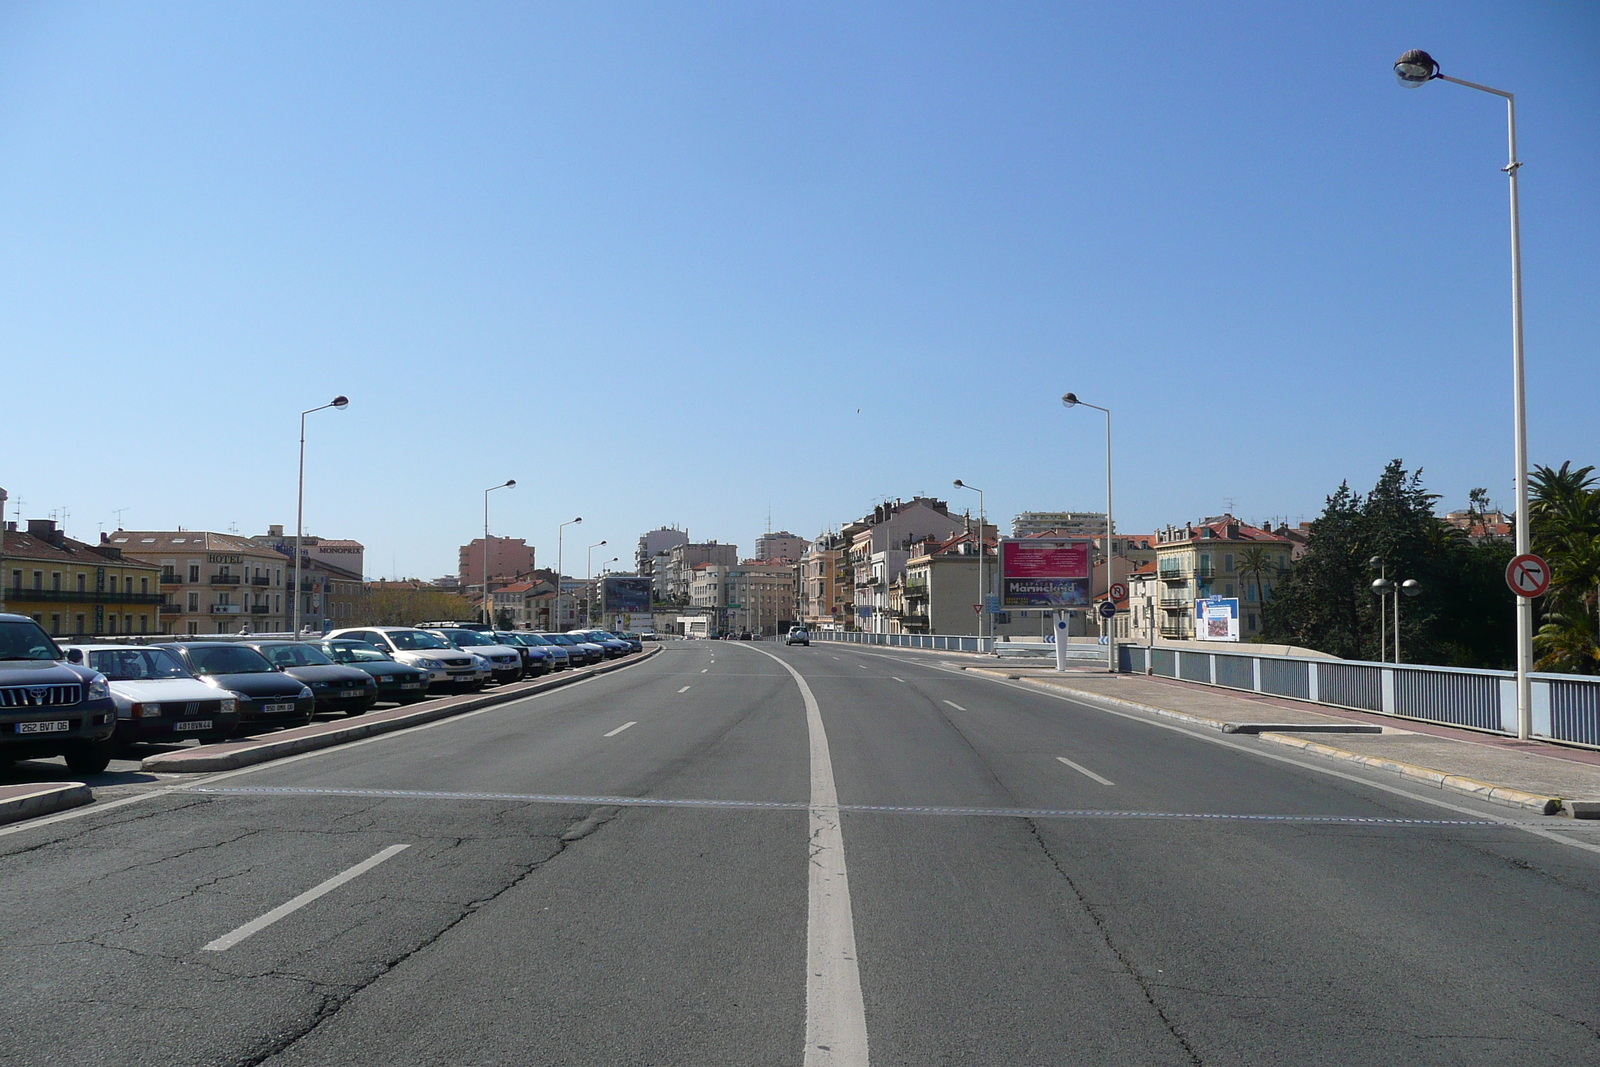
{"points": [[680, 263]]}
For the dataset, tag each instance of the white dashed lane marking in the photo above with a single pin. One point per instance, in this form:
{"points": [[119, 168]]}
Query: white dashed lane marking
{"points": [[685, 689], [953, 704], [1084, 770], [621, 728]]}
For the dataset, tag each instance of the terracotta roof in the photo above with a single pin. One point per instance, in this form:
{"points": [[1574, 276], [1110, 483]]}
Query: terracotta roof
{"points": [[145, 542], [1242, 532], [325, 542], [26, 546]]}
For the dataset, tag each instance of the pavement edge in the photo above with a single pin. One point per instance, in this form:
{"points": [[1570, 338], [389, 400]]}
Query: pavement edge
{"points": [[42, 798]]}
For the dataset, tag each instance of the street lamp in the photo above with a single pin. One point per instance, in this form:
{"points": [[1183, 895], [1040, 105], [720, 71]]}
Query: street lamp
{"points": [[1071, 400], [983, 590], [340, 402], [1414, 69], [509, 483], [588, 598], [1383, 587], [554, 624]]}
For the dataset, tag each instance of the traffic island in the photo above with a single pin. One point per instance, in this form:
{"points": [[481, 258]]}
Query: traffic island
{"points": [[231, 755], [29, 800]]}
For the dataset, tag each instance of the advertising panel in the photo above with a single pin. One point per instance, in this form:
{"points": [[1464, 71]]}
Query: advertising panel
{"points": [[1044, 573], [624, 595], [1216, 619]]}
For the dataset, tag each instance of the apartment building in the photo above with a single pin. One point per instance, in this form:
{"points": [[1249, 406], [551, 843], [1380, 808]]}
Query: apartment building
{"points": [[650, 558], [682, 559], [1059, 524], [879, 546], [826, 590], [216, 583], [508, 557], [73, 588], [754, 596], [783, 546], [1211, 559]]}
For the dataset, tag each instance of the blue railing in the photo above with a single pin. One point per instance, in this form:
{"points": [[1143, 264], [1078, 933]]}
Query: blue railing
{"points": [[935, 642]]}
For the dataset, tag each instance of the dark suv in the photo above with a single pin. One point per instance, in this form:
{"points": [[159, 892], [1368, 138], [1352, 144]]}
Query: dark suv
{"points": [[48, 706]]}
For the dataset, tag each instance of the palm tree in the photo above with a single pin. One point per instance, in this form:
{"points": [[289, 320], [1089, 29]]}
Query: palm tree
{"points": [[1255, 560], [1564, 512]]}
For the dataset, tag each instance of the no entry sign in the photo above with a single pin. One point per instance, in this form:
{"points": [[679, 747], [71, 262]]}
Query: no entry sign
{"points": [[1528, 575], [1118, 591]]}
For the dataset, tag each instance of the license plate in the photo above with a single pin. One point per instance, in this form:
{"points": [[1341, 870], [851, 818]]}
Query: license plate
{"points": [[195, 724], [410, 685], [277, 709], [351, 693], [43, 727]]}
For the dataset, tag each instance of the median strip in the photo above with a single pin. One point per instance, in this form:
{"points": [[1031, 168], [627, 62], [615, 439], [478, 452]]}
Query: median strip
{"points": [[26, 800], [232, 755]]}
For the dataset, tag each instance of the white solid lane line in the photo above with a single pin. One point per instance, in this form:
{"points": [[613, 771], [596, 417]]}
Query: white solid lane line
{"points": [[836, 1017], [254, 926], [1084, 770], [623, 727], [953, 704], [685, 689]]}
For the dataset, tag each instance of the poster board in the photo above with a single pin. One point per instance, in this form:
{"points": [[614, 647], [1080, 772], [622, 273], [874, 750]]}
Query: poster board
{"points": [[1044, 573], [1216, 619]]}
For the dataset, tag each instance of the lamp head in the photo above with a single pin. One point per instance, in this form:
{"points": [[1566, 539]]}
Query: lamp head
{"points": [[957, 484], [511, 483], [1382, 587], [1070, 400], [1411, 587], [1376, 563], [1414, 68], [340, 402], [578, 519]]}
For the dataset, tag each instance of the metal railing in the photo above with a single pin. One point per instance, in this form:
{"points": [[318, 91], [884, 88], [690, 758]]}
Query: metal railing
{"points": [[73, 596], [225, 579], [936, 642], [1566, 707]]}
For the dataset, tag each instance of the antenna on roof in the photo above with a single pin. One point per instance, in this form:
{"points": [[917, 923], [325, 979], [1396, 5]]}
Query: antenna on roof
{"points": [[1227, 504]]}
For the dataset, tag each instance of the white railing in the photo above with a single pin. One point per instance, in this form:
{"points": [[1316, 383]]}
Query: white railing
{"points": [[937, 642]]}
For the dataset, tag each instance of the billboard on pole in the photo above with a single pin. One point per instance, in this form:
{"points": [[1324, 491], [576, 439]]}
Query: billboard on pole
{"points": [[1216, 618], [624, 594], [1044, 573]]}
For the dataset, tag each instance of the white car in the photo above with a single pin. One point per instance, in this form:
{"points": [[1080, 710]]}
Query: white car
{"points": [[157, 698], [447, 665]]}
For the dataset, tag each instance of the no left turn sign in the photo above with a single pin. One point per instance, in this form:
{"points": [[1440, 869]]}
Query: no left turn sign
{"points": [[1118, 591], [1528, 575]]}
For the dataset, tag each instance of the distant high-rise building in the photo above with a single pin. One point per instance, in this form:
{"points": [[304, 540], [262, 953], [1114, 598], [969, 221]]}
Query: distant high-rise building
{"points": [[782, 545], [509, 557], [650, 560], [1062, 523]]}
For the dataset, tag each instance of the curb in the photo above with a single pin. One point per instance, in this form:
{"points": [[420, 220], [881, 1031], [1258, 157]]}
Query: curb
{"points": [[224, 757], [1499, 794], [43, 798]]}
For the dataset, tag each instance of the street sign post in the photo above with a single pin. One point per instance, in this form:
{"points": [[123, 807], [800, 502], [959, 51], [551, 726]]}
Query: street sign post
{"points": [[1108, 610], [1528, 575], [1118, 591]]}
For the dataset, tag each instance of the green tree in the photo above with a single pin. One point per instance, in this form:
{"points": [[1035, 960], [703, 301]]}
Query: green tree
{"points": [[1564, 520], [1257, 563], [1464, 616]]}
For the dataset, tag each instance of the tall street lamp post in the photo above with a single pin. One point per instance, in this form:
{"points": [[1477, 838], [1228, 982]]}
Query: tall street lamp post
{"points": [[339, 402], [1071, 400], [1414, 69], [588, 598], [554, 623], [983, 590], [488, 611]]}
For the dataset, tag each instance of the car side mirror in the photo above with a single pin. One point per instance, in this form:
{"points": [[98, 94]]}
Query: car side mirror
{"points": [[74, 655]]}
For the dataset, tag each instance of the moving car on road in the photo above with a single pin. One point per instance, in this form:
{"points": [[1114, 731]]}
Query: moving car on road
{"points": [[48, 705], [798, 635], [336, 688], [398, 683], [157, 698], [267, 696], [448, 667]]}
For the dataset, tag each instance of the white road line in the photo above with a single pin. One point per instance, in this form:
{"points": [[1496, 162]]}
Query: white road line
{"points": [[685, 689], [836, 1017], [704, 669], [897, 679], [621, 728], [1081, 769], [953, 704], [863, 666], [255, 926]]}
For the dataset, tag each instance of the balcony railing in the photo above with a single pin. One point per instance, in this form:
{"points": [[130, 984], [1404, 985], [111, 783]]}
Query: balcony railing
{"points": [[169, 578], [261, 579], [73, 596], [259, 609], [225, 579], [227, 609], [172, 609]]}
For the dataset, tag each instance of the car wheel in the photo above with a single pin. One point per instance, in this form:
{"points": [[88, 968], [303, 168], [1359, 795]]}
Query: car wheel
{"points": [[89, 757]]}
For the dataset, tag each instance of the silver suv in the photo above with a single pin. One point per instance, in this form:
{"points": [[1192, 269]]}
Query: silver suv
{"points": [[447, 665]]}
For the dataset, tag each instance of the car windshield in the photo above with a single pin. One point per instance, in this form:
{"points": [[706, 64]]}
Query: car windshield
{"points": [[228, 659], [468, 638], [559, 639], [533, 639], [415, 639], [135, 664], [25, 640], [296, 655], [350, 652]]}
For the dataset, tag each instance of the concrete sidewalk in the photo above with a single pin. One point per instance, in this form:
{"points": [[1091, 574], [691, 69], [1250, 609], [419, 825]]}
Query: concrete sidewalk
{"points": [[1532, 775], [27, 800]]}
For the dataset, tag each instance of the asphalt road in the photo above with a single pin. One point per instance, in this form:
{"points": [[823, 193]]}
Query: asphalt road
{"points": [[647, 868]]}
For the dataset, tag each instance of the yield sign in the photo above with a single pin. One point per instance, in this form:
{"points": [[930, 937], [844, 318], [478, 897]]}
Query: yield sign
{"points": [[1528, 575]]}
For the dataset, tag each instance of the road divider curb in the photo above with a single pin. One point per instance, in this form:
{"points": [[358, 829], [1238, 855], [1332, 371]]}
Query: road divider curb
{"points": [[25, 801], [232, 755], [1499, 794]]}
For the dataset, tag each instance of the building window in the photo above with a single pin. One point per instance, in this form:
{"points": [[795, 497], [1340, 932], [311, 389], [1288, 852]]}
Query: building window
{"points": [[16, 580], [194, 627], [144, 586], [38, 580], [194, 604], [77, 623], [111, 584], [55, 624], [194, 572], [81, 578], [55, 581]]}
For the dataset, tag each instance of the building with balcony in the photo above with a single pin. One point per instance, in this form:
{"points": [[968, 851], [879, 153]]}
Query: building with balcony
{"points": [[73, 588], [754, 596], [651, 557], [827, 593], [683, 558], [880, 544], [1059, 524], [215, 583], [1195, 561], [783, 546]]}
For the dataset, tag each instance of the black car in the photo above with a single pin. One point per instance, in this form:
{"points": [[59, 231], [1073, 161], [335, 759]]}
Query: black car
{"points": [[581, 652], [49, 706], [536, 658], [336, 688], [615, 647], [397, 682], [267, 696]]}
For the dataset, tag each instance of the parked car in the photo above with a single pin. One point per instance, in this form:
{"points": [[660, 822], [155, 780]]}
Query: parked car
{"points": [[560, 655], [615, 647], [448, 667], [583, 652], [336, 688], [397, 682], [51, 705], [635, 641], [505, 662], [267, 696], [798, 635], [157, 698], [649, 635], [536, 658]]}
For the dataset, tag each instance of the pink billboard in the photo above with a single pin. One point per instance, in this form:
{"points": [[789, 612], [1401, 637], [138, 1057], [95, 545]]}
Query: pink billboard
{"points": [[1044, 557]]}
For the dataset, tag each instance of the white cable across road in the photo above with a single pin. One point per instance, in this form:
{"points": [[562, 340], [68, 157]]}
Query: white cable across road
{"points": [[836, 1017]]}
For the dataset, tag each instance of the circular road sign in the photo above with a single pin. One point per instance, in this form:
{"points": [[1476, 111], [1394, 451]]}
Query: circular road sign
{"points": [[1107, 609], [1118, 591], [1528, 575]]}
